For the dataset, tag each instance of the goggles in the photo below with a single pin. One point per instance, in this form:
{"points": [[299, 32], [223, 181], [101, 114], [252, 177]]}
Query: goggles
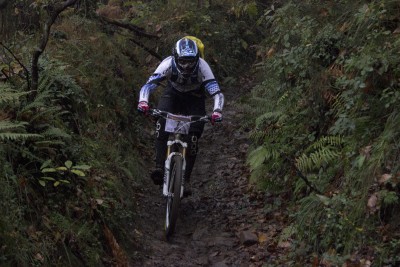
{"points": [[187, 63]]}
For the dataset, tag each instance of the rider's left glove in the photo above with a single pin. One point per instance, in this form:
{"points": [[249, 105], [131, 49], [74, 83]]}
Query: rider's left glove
{"points": [[216, 117], [143, 107]]}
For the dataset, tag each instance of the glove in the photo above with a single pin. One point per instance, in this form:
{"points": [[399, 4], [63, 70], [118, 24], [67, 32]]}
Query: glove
{"points": [[216, 117], [143, 107]]}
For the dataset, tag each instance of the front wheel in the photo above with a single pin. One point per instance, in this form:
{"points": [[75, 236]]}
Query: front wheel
{"points": [[174, 195]]}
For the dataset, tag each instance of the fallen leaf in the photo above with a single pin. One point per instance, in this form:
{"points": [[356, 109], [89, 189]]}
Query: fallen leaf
{"points": [[365, 263], [262, 237], [271, 52], [215, 254], [384, 178], [324, 12], [39, 257], [373, 199], [138, 232], [284, 244]]}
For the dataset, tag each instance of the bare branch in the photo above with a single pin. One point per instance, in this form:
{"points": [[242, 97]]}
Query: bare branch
{"points": [[20, 63], [137, 30], [150, 51], [5, 74]]}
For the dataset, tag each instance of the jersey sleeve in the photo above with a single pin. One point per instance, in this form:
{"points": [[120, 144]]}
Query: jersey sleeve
{"points": [[211, 85], [160, 74]]}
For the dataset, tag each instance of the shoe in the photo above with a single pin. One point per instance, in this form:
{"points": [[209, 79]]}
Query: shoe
{"points": [[157, 175]]}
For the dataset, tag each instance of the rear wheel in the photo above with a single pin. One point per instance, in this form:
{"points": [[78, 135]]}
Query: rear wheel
{"points": [[174, 195]]}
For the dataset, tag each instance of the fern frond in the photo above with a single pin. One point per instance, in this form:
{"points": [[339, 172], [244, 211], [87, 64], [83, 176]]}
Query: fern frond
{"points": [[340, 104], [15, 131], [41, 100], [44, 96], [261, 154], [269, 116], [49, 143], [259, 104], [56, 133], [7, 94], [18, 136], [283, 97], [257, 157], [45, 82], [257, 135], [335, 141], [321, 152], [59, 78], [51, 111], [8, 125]]}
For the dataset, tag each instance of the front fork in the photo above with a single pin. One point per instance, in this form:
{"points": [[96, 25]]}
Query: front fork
{"points": [[167, 166]]}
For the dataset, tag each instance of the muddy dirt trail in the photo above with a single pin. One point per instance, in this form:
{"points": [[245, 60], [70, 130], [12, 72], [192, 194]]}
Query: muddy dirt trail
{"points": [[224, 222]]}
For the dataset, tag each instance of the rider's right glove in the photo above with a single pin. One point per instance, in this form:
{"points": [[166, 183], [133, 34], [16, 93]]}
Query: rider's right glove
{"points": [[216, 117], [143, 107]]}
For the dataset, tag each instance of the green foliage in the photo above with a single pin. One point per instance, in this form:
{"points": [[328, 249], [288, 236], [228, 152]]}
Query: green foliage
{"points": [[47, 143], [214, 24], [9, 96], [12, 131], [389, 197], [245, 8], [322, 152], [62, 173], [320, 218], [327, 106]]}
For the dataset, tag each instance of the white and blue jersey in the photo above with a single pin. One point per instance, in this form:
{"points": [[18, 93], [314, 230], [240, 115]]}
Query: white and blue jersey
{"points": [[202, 80]]}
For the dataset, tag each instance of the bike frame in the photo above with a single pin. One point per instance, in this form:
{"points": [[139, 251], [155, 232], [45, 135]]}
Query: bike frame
{"points": [[182, 153], [177, 126]]}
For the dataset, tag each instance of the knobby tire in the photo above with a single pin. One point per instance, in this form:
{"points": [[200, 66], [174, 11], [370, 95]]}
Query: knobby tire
{"points": [[174, 202]]}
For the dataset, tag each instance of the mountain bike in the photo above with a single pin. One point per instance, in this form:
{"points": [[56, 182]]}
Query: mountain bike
{"points": [[175, 163]]}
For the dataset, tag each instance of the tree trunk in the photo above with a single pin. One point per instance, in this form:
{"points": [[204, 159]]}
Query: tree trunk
{"points": [[5, 20]]}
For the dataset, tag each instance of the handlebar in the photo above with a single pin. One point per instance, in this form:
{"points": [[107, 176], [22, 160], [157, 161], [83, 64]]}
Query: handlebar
{"points": [[187, 118]]}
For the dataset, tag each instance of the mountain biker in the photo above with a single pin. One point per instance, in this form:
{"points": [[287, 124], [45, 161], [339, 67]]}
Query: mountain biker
{"points": [[189, 80]]}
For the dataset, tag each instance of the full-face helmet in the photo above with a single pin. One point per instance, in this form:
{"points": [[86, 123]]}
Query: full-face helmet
{"points": [[186, 56]]}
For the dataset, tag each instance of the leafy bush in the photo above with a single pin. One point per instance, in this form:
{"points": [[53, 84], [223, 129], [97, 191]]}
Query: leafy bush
{"points": [[326, 123]]}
